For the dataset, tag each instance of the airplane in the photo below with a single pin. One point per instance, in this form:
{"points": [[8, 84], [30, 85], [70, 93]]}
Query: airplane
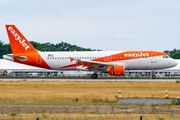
{"points": [[112, 62]]}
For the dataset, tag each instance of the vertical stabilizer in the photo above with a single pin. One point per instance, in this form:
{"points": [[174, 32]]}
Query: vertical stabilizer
{"points": [[19, 44]]}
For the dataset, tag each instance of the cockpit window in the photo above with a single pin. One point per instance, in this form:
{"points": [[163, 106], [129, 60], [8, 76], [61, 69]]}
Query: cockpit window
{"points": [[166, 57]]}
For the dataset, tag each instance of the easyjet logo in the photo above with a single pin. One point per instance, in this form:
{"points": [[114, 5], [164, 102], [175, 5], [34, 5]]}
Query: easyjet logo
{"points": [[136, 55], [18, 38]]}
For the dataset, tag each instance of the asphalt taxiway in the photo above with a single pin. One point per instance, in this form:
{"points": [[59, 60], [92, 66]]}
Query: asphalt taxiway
{"points": [[143, 101]]}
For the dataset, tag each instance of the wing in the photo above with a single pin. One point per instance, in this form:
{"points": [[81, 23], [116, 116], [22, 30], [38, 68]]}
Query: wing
{"points": [[91, 65]]}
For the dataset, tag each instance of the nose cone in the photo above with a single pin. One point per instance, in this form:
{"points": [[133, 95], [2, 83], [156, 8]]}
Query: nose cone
{"points": [[174, 63]]}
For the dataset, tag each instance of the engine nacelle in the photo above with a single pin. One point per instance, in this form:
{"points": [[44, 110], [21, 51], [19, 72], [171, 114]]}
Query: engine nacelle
{"points": [[116, 70]]}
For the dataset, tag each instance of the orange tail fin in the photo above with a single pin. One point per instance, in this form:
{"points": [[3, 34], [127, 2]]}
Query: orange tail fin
{"points": [[19, 44]]}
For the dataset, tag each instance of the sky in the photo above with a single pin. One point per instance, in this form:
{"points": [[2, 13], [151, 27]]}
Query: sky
{"points": [[112, 25]]}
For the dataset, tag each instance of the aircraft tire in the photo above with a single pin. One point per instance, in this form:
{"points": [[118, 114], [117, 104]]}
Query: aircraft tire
{"points": [[94, 76], [153, 77]]}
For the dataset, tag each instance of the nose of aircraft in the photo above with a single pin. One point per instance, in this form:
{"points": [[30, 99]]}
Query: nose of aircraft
{"points": [[174, 63]]}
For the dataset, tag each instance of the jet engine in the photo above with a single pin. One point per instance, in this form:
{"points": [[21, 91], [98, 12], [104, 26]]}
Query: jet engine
{"points": [[116, 70]]}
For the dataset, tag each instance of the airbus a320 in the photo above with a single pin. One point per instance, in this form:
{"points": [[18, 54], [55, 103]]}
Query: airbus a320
{"points": [[113, 62]]}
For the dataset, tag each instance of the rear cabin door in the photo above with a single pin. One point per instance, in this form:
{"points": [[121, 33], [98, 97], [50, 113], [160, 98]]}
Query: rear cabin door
{"points": [[38, 59]]}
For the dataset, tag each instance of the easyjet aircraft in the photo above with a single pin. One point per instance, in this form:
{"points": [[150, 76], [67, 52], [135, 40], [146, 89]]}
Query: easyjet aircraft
{"points": [[113, 62]]}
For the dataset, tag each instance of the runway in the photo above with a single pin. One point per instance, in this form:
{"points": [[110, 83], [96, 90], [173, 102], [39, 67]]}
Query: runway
{"points": [[91, 80]]}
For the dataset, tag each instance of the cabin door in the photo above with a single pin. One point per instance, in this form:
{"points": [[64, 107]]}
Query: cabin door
{"points": [[153, 57], [38, 59]]}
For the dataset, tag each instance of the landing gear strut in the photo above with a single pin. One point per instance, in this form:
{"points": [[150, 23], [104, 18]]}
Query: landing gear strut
{"points": [[153, 75], [94, 76]]}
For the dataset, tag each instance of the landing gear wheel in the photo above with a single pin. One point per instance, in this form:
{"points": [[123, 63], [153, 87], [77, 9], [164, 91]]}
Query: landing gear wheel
{"points": [[153, 77], [94, 76]]}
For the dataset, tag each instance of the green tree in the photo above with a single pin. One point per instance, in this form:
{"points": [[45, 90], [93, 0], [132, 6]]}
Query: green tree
{"points": [[173, 53], [4, 49], [63, 46]]}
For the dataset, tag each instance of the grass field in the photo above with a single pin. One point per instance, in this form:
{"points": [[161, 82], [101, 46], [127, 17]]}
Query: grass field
{"points": [[83, 92], [79, 116]]}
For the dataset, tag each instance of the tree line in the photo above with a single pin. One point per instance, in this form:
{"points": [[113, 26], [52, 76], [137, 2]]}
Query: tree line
{"points": [[63, 46], [173, 53]]}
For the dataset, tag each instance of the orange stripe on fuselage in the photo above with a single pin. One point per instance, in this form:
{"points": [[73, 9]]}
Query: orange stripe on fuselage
{"points": [[32, 60], [128, 55]]}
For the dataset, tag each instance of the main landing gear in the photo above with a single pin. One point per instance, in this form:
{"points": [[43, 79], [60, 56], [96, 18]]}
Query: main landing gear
{"points": [[94, 76]]}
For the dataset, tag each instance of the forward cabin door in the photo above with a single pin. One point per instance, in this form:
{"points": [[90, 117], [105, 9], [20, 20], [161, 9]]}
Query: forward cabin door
{"points": [[153, 57], [38, 59]]}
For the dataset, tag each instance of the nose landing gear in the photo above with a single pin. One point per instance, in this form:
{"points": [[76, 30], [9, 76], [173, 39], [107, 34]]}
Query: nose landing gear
{"points": [[153, 76]]}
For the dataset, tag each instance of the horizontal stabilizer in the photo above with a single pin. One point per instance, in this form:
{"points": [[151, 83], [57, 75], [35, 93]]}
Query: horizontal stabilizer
{"points": [[11, 57]]}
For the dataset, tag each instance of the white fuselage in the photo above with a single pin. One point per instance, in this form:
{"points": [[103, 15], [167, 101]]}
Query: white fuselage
{"points": [[58, 60]]}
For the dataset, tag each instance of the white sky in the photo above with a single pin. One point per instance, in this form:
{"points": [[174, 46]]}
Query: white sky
{"points": [[113, 25]]}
